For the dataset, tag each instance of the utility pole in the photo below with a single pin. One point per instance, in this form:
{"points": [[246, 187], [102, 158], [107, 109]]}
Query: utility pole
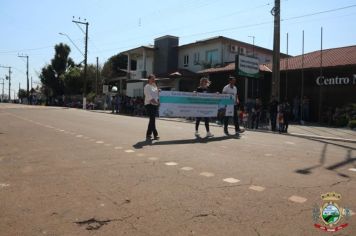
{"points": [[85, 58], [97, 75], [253, 45], [3, 84], [276, 12], [9, 78], [28, 81]]}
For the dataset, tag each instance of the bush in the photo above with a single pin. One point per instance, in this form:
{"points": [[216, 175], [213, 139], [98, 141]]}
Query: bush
{"points": [[341, 121], [352, 124]]}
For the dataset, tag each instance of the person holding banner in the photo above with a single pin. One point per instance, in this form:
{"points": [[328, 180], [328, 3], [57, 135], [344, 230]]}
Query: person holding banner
{"points": [[151, 103], [203, 88], [231, 89]]}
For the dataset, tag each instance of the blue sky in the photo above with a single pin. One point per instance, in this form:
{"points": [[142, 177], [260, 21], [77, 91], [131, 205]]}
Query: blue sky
{"points": [[32, 26]]}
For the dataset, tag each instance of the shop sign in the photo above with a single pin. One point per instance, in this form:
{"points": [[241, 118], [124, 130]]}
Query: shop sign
{"points": [[247, 66], [326, 81]]}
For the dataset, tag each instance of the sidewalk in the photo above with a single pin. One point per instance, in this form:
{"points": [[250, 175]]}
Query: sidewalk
{"points": [[304, 131]]}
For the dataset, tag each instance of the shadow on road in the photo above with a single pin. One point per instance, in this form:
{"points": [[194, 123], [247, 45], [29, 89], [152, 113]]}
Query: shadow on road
{"points": [[348, 159], [141, 144]]}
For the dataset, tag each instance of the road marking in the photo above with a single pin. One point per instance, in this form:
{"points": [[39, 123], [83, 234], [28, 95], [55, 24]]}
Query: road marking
{"points": [[268, 155], [290, 143], [129, 151], [171, 163], [257, 188], [118, 147], [207, 174], [102, 204], [187, 168], [231, 180], [108, 144], [141, 154], [61, 130], [153, 158], [3, 185], [99, 142], [352, 169], [297, 199], [79, 136]]}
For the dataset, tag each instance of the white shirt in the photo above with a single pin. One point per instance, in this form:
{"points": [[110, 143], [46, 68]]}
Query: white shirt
{"points": [[233, 91], [151, 92]]}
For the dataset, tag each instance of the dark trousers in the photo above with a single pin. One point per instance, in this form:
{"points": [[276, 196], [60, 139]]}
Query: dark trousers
{"points": [[256, 120], [151, 112], [236, 120], [197, 122]]}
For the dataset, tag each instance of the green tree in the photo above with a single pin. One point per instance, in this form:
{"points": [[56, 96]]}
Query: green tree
{"points": [[52, 75], [112, 66], [22, 94]]}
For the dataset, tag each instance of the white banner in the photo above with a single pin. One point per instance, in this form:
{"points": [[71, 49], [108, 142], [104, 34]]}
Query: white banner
{"points": [[187, 104]]}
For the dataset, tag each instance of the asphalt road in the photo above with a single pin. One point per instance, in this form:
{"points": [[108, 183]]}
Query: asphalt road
{"points": [[74, 172]]}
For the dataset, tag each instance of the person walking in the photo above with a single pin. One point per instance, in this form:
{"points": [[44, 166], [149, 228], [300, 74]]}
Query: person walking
{"points": [[151, 103], [231, 89], [203, 88]]}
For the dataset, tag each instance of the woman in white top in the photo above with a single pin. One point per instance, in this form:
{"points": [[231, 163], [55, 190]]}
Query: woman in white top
{"points": [[151, 103]]}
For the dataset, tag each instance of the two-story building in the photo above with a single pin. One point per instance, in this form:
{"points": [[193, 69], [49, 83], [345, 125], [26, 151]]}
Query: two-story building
{"points": [[180, 67]]}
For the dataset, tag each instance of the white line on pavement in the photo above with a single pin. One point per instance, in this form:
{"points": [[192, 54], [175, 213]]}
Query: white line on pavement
{"points": [[257, 188], [352, 169], [3, 185], [117, 147], [290, 143], [187, 168], [171, 163], [231, 180], [153, 158], [207, 174], [99, 142], [297, 199], [129, 151]]}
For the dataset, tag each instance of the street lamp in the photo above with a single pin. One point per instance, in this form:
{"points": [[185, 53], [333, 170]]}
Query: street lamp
{"points": [[253, 45], [72, 42]]}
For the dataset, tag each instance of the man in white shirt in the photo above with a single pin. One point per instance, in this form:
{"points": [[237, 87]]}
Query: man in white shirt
{"points": [[231, 89]]}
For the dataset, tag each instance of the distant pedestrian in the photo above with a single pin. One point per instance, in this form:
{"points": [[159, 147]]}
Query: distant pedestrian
{"points": [[256, 116], [286, 115], [113, 104], [203, 88], [280, 117], [231, 89], [273, 109], [151, 102]]}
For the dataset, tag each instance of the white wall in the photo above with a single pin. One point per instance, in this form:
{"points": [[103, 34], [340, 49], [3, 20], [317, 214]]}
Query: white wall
{"points": [[224, 54], [201, 49]]}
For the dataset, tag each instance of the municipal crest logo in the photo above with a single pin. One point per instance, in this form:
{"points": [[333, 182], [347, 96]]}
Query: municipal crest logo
{"points": [[330, 214]]}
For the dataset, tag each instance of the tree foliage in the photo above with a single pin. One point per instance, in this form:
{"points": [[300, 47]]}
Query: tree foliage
{"points": [[52, 75]]}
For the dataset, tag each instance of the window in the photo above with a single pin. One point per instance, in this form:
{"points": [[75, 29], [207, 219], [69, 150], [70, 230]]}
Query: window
{"points": [[186, 60], [196, 58], [212, 57]]}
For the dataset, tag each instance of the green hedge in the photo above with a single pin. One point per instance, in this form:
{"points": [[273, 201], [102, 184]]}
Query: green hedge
{"points": [[352, 124]]}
